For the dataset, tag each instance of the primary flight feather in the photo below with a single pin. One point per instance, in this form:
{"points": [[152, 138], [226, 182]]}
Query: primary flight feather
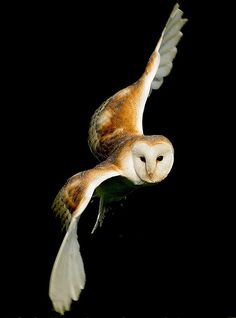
{"points": [[129, 159]]}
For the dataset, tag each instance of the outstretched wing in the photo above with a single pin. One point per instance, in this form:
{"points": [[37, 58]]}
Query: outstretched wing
{"points": [[68, 276], [121, 115]]}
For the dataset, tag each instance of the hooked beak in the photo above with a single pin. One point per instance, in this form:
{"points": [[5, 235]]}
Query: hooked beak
{"points": [[151, 170], [150, 175]]}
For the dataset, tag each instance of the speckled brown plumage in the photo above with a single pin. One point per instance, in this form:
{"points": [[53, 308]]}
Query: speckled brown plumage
{"points": [[107, 124]]}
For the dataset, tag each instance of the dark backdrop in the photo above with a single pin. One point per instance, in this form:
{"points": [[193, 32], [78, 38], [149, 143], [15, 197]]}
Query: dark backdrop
{"points": [[169, 250]]}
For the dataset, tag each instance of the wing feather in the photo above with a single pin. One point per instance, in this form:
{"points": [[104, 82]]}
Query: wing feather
{"points": [[68, 276], [168, 56], [165, 69], [166, 47], [170, 43]]}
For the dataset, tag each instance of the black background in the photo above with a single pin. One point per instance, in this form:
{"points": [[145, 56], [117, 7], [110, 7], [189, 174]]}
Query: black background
{"points": [[169, 250]]}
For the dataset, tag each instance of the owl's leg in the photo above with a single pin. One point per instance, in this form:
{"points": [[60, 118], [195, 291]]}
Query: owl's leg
{"points": [[101, 214]]}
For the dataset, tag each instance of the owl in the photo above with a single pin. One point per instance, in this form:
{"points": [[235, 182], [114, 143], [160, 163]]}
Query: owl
{"points": [[127, 160]]}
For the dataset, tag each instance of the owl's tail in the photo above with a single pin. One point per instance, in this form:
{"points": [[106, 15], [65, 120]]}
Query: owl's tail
{"points": [[68, 276]]}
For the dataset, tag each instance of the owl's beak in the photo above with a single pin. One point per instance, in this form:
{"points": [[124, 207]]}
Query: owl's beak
{"points": [[151, 171], [151, 176]]}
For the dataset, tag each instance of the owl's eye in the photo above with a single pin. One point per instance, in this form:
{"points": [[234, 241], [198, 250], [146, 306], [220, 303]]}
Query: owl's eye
{"points": [[159, 158], [143, 159]]}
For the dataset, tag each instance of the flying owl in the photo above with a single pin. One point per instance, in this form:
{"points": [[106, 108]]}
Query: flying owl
{"points": [[128, 159]]}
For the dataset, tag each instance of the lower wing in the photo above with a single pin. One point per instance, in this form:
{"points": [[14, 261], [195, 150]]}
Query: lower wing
{"points": [[68, 275]]}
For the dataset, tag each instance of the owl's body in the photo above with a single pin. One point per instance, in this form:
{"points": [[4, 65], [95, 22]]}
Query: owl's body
{"points": [[129, 160], [122, 180]]}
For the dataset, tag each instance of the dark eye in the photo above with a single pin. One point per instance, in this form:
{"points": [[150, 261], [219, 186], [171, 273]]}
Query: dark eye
{"points": [[143, 159], [159, 158]]}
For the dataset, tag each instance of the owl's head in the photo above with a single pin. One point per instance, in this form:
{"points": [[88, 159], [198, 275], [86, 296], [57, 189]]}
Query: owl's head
{"points": [[153, 158]]}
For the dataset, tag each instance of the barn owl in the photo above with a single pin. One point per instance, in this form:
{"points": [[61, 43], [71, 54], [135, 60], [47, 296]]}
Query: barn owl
{"points": [[128, 159]]}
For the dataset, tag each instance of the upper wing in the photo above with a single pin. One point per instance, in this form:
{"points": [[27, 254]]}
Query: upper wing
{"points": [[68, 276], [121, 115]]}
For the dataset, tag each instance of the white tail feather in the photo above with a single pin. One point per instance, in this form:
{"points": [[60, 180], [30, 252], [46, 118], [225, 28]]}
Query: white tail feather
{"points": [[68, 276]]}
